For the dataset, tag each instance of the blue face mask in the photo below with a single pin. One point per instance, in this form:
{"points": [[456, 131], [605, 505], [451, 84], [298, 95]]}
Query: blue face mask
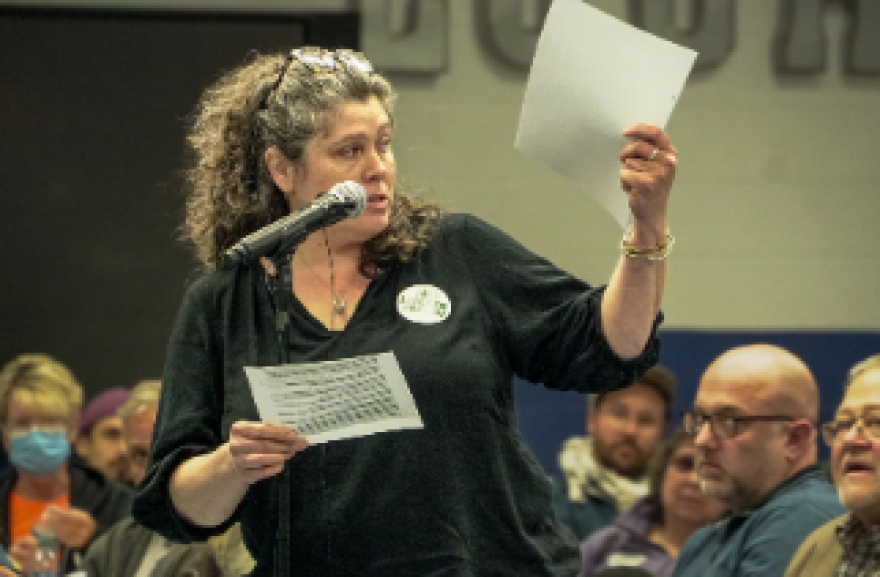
{"points": [[39, 453]]}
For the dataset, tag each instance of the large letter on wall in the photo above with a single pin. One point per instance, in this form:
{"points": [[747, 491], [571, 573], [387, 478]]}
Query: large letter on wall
{"points": [[418, 44], [508, 34], [710, 32], [801, 45]]}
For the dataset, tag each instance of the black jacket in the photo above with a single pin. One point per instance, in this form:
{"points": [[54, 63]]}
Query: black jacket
{"points": [[107, 502]]}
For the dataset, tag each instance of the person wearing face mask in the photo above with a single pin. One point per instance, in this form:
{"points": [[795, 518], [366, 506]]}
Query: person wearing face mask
{"points": [[47, 485]]}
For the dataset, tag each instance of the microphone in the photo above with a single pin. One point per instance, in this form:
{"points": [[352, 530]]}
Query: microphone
{"points": [[344, 200]]}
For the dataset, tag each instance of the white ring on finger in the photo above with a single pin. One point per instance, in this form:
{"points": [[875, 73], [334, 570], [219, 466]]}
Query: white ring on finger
{"points": [[654, 154]]}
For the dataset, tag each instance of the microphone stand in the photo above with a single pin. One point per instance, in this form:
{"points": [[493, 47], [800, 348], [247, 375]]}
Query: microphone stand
{"points": [[281, 292]]}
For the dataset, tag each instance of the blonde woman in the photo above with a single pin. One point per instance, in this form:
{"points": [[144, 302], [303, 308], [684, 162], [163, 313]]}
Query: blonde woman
{"points": [[46, 485]]}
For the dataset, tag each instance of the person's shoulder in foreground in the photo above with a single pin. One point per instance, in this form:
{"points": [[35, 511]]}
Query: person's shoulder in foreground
{"points": [[820, 553], [126, 547]]}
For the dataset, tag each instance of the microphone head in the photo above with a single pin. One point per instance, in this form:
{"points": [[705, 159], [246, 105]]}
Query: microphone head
{"points": [[351, 195]]}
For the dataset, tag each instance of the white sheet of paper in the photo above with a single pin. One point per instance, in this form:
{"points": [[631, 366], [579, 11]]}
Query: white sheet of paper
{"points": [[591, 77], [334, 400]]}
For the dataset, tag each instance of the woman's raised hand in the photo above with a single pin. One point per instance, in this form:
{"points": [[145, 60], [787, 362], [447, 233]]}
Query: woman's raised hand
{"points": [[646, 175]]}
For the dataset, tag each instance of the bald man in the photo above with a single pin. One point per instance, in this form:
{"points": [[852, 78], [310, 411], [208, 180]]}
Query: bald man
{"points": [[754, 426]]}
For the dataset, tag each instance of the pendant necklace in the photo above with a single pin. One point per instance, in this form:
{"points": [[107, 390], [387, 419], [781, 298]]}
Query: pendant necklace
{"points": [[337, 302]]}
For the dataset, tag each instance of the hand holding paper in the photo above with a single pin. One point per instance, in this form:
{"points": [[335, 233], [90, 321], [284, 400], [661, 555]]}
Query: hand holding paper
{"points": [[259, 450], [592, 78], [649, 163]]}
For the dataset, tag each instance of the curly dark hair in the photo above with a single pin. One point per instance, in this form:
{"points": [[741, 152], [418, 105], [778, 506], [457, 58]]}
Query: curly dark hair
{"points": [[281, 101]]}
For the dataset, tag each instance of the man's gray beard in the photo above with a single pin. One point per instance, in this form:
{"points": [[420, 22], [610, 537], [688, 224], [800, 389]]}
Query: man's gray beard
{"points": [[733, 495]]}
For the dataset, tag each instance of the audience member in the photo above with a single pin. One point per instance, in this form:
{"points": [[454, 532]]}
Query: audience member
{"points": [[137, 415], [650, 534], [850, 545], [99, 440], [606, 472], [131, 550], [48, 486], [753, 423]]}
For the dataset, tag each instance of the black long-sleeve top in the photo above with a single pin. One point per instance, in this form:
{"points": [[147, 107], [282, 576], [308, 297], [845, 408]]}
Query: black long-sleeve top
{"points": [[461, 497]]}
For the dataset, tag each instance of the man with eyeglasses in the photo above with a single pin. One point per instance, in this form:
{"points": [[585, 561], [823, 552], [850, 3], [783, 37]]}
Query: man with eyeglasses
{"points": [[849, 546], [753, 427], [606, 472]]}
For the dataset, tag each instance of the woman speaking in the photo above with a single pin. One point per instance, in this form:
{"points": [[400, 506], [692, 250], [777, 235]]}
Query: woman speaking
{"points": [[460, 497]]}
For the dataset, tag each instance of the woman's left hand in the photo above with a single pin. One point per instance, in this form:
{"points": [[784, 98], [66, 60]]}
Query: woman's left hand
{"points": [[649, 163]]}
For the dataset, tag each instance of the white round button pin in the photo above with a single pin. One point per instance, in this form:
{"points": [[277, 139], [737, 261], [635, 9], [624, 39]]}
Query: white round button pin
{"points": [[424, 304]]}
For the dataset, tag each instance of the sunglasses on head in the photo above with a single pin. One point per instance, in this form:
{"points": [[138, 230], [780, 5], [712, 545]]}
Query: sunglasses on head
{"points": [[319, 61]]}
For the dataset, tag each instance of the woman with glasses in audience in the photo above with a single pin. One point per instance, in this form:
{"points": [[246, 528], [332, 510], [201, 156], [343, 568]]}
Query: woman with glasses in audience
{"points": [[461, 306], [650, 534]]}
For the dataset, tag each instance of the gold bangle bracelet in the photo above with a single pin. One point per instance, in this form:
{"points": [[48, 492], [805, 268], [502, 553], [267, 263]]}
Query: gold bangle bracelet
{"points": [[658, 252]]}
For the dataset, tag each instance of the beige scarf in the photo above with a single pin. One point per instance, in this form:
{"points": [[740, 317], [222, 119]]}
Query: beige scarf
{"points": [[583, 476]]}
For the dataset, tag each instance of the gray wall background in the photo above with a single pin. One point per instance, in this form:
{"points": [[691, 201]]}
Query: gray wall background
{"points": [[775, 202], [774, 206]]}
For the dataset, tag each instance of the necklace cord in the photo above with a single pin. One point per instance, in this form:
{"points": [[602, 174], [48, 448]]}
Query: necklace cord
{"points": [[338, 303]]}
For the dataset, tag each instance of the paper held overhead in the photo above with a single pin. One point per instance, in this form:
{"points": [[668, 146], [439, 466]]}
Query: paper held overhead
{"points": [[592, 76]]}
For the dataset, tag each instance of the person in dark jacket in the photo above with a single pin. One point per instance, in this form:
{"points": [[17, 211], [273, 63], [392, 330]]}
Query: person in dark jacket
{"points": [[650, 534], [48, 486], [460, 306]]}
